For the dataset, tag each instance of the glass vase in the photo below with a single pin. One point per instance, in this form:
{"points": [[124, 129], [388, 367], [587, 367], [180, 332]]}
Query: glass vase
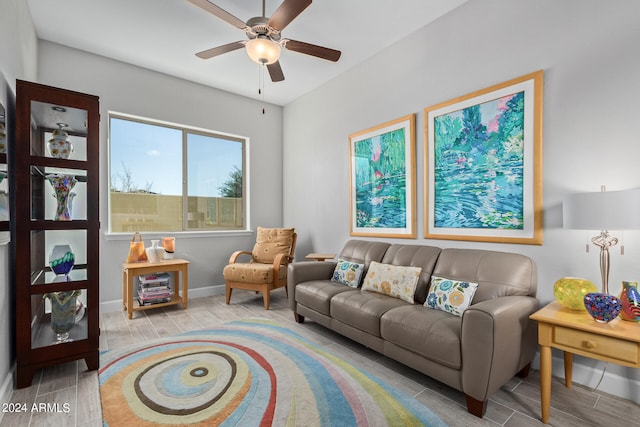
{"points": [[630, 300], [4, 198], [155, 252], [3, 138], [62, 185], [63, 313], [570, 292], [61, 260], [602, 307]]}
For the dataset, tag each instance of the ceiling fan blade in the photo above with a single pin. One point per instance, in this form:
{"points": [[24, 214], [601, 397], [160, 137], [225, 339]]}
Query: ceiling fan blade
{"points": [[219, 12], [312, 49], [210, 53], [275, 71], [287, 12]]}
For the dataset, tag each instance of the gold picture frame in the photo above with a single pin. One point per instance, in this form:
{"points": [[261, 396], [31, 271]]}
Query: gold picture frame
{"points": [[382, 163], [483, 164]]}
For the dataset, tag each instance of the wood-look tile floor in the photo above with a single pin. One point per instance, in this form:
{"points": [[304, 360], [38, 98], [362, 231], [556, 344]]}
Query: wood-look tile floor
{"points": [[74, 400]]}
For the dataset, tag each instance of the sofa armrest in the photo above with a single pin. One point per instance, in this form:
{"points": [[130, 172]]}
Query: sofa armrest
{"points": [[299, 272], [498, 340]]}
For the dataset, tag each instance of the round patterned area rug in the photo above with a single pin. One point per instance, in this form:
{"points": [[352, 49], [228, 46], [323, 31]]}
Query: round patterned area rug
{"points": [[246, 373]]}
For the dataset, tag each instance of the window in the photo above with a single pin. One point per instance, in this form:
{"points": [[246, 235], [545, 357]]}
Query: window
{"points": [[168, 178]]}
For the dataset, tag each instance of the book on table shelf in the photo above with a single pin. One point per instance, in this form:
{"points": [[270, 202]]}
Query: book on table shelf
{"points": [[154, 278], [154, 288], [146, 298], [153, 301]]}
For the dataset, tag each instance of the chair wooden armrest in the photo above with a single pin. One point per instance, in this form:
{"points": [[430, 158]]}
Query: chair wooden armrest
{"points": [[234, 256], [281, 260]]}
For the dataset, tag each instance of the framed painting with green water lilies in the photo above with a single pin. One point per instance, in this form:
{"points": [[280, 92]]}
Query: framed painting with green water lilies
{"points": [[383, 180], [483, 164]]}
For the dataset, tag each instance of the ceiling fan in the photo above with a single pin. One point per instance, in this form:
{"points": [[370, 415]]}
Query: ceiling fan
{"points": [[265, 41]]}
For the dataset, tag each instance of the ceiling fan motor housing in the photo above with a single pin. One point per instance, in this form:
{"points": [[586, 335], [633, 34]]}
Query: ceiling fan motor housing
{"points": [[259, 26]]}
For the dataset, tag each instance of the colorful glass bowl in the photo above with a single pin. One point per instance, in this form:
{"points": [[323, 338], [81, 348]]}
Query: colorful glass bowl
{"points": [[602, 307], [570, 292]]}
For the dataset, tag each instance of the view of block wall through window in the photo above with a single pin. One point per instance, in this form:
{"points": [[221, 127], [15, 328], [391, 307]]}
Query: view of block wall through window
{"points": [[167, 177]]}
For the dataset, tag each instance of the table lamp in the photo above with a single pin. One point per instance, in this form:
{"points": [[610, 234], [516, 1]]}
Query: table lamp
{"points": [[604, 211]]}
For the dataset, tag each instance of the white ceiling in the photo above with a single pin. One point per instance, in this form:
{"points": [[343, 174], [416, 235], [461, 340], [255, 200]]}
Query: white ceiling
{"points": [[164, 35]]}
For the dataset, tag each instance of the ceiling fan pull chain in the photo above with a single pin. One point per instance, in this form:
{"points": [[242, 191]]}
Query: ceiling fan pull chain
{"points": [[261, 68]]}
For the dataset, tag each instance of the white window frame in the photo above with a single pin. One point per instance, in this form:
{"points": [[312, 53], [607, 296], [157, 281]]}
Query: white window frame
{"points": [[185, 131]]}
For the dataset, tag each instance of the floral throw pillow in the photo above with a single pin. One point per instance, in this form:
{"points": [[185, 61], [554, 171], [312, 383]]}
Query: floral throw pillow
{"points": [[397, 281], [452, 296], [348, 273]]}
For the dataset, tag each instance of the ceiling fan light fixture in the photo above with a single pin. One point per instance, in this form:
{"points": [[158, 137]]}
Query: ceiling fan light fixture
{"points": [[263, 50]]}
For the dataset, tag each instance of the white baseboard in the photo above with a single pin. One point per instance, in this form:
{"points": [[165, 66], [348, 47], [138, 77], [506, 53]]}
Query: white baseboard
{"points": [[613, 382], [6, 390], [205, 291]]}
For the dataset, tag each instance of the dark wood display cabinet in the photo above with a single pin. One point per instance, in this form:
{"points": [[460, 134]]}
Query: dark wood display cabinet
{"points": [[4, 198], [54, 160]]}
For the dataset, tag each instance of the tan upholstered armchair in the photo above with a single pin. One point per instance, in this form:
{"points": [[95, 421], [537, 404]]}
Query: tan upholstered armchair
{"points": [[267, 269]]}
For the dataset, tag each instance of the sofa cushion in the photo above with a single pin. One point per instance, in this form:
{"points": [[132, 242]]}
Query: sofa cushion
{"points": [[452, 296], [251, 272], [270, 242], [348, 273], [432, 334], [497, 274], [362, 309], [317, 294], [363, 252], [421, 256], [396, 281]]}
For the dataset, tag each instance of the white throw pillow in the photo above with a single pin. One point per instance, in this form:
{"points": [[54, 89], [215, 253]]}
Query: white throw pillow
{"points": [[397, 281]]}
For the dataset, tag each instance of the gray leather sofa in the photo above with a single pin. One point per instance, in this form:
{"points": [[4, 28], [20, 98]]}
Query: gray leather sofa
{"points": [[477, 353]]}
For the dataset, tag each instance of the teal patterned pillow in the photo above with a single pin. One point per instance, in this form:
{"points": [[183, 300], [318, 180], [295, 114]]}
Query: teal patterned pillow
{"points": [[348, 273], [452, 296]]}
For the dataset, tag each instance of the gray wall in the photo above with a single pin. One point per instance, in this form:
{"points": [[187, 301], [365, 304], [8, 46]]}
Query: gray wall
{"points": [[588, 51], [18, 59], [133, 90]]}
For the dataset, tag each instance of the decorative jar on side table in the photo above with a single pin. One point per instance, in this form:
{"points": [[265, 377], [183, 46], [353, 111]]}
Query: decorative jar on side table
{"points": [[575, 332]]}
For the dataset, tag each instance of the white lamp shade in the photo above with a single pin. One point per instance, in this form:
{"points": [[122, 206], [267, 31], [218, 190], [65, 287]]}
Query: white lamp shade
{"points": [[263, 51], [602, 210]]}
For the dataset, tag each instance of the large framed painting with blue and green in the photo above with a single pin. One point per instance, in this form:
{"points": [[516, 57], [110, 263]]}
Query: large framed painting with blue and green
{"points": [[484, 164], [382, 162]]}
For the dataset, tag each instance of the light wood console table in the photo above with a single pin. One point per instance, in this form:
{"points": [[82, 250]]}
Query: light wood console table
{"points": [[320, 257], [132, 269], [575, 332]]}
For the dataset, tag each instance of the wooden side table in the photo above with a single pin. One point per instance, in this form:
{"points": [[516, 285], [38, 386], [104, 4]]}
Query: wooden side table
{"points": [[320, 257], [575, 332], [132, 269]]}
